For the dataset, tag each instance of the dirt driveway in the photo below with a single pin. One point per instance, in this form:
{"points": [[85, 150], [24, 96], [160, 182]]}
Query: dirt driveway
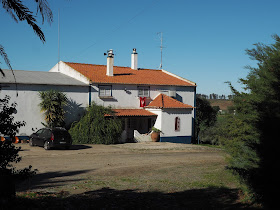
{"points": [[145, 166], [136, 175]]}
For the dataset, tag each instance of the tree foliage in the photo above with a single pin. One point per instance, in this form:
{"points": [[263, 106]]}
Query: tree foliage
{"points": [[251, 135], [8, 126], [8, 152], [52, 104], [97, 126], [206, 115]]}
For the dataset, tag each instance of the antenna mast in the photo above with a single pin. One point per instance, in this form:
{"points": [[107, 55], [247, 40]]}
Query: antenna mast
{"points": [[58, 54], [160, 67]]}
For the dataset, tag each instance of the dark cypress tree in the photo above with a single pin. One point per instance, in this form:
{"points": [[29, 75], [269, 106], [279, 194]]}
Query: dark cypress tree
{"points": [[254, 140]]}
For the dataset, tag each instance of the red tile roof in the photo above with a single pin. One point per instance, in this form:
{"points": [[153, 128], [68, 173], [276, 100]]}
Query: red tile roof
{"points": [[132, 113], [164, 101], [126, 75]]}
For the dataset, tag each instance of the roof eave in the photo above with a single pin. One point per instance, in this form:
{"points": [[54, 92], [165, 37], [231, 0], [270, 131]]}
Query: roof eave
{"points": [[154, 107], [122, 83]]}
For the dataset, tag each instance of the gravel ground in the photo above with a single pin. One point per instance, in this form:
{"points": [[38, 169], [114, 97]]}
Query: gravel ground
{"points": [[110, 164]]}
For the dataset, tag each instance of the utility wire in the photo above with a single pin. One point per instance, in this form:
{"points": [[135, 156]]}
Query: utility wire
{"points": [[114, 30]]}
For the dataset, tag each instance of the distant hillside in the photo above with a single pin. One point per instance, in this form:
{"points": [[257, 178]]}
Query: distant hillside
{"points": [[222, 103]]}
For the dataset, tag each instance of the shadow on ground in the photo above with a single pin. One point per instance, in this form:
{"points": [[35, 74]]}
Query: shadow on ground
{"points": [[74, 147], [106, 198], [49, 180], [79, 147]]}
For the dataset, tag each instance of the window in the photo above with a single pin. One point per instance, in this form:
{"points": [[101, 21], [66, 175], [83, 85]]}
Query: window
{"points": [[40, 131], [47, 132], [177, 123], [105, 90], [143, 91]]}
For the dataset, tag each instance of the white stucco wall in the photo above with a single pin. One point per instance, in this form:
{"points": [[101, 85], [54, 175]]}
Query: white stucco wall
{"points": [[165, 118], [120, 97], [159, 119], [129, 98], [166, 121], [168, 127], [28, 100]]}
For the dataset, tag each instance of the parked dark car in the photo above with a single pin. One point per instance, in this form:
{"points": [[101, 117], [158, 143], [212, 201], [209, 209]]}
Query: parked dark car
{"points": [[51, 138]]}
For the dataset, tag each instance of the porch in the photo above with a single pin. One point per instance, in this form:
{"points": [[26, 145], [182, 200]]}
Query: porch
{"points": [[140, 120]]}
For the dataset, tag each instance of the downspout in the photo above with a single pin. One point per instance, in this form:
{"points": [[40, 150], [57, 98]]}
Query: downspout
{"points": [[89, 95], [194, 115]]}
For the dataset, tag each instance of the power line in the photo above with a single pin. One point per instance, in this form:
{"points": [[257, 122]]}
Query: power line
{"points": [[114, 30]]}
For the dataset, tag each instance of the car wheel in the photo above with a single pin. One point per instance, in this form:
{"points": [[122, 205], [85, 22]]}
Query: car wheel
{"points": [[46, 145], [31, 142]]}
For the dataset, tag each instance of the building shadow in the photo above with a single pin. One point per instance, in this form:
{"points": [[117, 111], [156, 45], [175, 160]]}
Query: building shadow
{"points": [[74, 112]]}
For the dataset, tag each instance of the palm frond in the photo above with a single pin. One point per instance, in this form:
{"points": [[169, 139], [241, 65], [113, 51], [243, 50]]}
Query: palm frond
{"points": [[18, 10], [44, 10], [5, 57], [52, 104], [7, 61]]}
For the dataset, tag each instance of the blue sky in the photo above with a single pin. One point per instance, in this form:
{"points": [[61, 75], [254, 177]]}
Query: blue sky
{"points": [[204, 40]]}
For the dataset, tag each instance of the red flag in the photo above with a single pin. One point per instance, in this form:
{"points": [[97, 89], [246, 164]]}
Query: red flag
{"points": [[142, 101]]}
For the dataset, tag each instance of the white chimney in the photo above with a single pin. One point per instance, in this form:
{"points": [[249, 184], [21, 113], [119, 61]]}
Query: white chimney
{"points": [[134, 59], [110, 63]]}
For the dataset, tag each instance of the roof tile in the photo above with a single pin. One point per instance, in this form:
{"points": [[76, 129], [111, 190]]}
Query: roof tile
{"points": [[126, 75], [164, 101], [132, 113]]}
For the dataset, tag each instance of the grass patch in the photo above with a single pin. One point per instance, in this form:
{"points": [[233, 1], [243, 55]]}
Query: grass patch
{"points": [[175, 187], [218, 179]]}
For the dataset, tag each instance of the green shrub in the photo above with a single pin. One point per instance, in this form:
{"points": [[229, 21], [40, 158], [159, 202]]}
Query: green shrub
{"points": [[96, 128], [156, 129], [209, 135], [214, 134]]}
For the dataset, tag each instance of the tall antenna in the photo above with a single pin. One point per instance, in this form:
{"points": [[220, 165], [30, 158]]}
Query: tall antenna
{"points": [[160, 67], [58, 54]]}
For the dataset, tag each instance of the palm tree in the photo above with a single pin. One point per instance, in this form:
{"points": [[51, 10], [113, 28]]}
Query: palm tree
{"points": [[19, 12], [52, 104]]}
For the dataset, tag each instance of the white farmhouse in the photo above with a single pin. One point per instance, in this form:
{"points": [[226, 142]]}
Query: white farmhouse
{"points": [[143, 98]]}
